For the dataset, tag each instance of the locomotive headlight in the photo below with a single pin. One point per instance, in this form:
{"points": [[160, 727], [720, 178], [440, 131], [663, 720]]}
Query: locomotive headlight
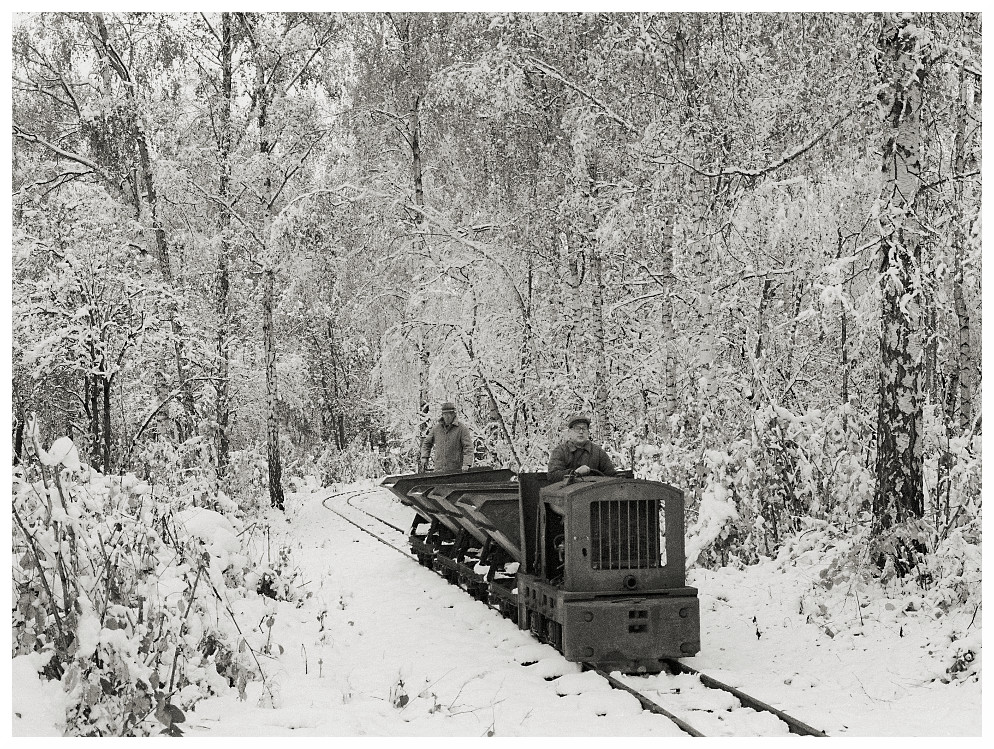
{"points": [[588, 616]]}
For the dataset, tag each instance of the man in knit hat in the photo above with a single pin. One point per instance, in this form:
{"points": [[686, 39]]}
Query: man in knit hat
{"points": [[451, 442], [578, 454]]}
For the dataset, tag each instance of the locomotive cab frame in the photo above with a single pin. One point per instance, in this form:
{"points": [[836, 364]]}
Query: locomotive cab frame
{"points": [[614, 529]]}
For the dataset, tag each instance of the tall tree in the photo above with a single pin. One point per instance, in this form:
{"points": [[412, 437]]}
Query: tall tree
{"points": [[965, 165], [224, 128], [902, 62]]}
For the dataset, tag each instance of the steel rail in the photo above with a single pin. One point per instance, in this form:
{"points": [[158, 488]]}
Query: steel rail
{"points": [[646, 703], [348, 501], [793, 724], [383, 541]]}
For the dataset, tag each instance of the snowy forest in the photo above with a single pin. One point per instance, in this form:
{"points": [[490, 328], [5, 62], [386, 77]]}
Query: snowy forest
{"points": [[250, 248]]}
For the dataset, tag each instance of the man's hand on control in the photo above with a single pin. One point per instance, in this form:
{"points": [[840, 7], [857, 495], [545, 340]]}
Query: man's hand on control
{"points": [[583, 470]]}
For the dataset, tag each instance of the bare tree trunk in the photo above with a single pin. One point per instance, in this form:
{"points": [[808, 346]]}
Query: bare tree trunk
{"points": [[93, 408], [964, 358], [527, 361], [19, 438], [931, 393], [759, 353], [223, 385], [900, 492], [104, 47], [601, 394], [943, 482], [417, 173], [151, 198], [105, 382], [335, 403], [424, 371], [272, 422], [572, 302], [275, 460], [413, 137], [92, 399], [843, 342], [965, 161], [329, 391], [844, 348], [668, 279]]}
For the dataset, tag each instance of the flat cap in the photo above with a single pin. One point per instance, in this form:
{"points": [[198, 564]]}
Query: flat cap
{"points": [[448, 407], [576, 419]]}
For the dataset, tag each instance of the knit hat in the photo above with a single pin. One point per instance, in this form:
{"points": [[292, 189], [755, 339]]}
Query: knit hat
{"points": [[576, 419], [451, 407]]}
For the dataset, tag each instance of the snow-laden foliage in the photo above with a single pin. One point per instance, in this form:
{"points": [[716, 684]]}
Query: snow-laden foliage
{"points": [[129, 592], [752, 495], [854, 568], [750, 499], [358, 461]]}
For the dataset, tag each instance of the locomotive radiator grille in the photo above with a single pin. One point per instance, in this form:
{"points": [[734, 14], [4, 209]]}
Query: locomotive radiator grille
{"points": [[624, 534]]}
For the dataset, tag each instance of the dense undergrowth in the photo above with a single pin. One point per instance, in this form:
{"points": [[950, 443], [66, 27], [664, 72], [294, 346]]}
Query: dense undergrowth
{"points": [[799, 489], [134, 595], [941, 588]]}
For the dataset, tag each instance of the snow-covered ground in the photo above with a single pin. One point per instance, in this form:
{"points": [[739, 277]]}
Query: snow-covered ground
{"points": [[384, 647]]}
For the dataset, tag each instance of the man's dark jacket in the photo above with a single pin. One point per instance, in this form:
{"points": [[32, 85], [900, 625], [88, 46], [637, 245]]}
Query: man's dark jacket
{"points": [[567, 457]]}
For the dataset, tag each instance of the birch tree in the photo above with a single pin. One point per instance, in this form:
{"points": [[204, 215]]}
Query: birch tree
{"points": [[282, 51], [902, 64]]}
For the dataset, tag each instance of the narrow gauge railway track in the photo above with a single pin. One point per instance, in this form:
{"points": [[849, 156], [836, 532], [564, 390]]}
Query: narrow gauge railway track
{"points": [[794, 725], [365, 493], [349, 496]]}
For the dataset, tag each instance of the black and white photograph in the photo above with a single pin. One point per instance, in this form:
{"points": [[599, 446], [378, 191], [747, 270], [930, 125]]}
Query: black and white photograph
{"points": [[523, 374]]}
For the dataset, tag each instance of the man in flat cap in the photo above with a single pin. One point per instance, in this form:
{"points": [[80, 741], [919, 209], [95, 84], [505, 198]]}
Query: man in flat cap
{"points": [[451, 441], [578, 454]]}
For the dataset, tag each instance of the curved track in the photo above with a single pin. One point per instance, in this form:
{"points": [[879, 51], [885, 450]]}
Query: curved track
{"points": [[366, 492], [349, 496], [648, 702]]}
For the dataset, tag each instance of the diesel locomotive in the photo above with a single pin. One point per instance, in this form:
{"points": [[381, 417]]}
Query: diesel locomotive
{"points": [[593, 566]]}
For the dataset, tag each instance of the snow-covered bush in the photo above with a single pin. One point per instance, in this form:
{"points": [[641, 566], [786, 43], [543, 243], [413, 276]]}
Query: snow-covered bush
{"points": [[128, 590], [184, 473], [278, 580], [248, 477], [356, 462], [854, 566], [748, 496]]}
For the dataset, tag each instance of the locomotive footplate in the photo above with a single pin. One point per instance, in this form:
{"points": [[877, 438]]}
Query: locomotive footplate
{"points": [[630, 633]]}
